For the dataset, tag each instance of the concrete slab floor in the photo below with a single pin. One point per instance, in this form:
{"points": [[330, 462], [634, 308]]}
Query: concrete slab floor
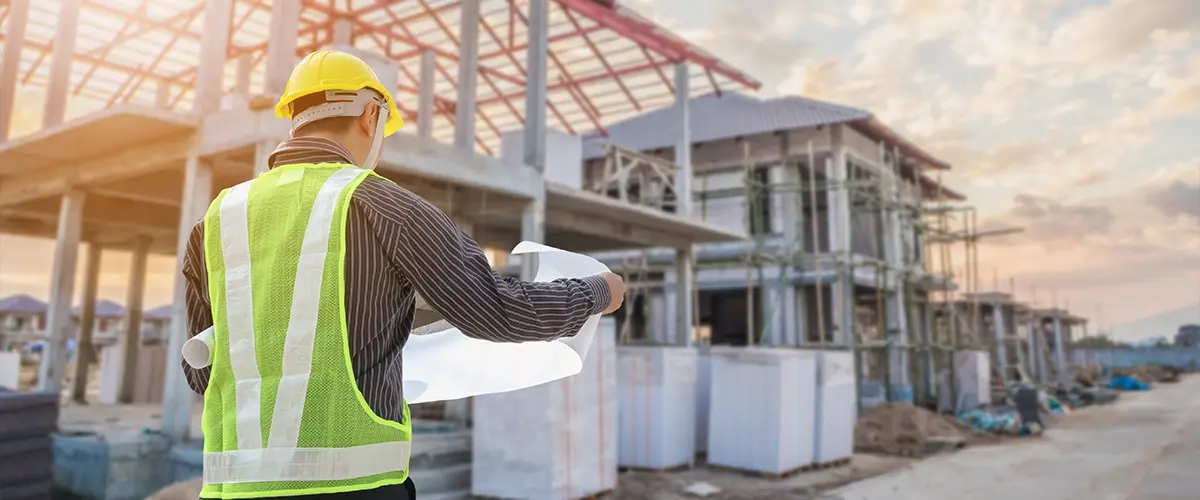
{"points": [[1143, 447]]}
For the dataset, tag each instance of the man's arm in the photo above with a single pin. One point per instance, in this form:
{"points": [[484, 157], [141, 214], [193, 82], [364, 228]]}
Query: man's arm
{"points": [[199, 311], [452, 274]]}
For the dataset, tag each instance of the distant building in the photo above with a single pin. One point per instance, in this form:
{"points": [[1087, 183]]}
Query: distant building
{"points": [[21, 318], [1188, 336]]}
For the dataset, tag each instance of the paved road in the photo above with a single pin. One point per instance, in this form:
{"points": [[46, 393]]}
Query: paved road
{"points": [[1146, 446]]}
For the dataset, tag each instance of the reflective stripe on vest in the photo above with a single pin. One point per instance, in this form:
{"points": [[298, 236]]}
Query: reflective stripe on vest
{"points": [[281, 460]]}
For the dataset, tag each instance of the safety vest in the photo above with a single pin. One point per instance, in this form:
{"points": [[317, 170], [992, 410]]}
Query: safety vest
{"points": [[283, 415]]}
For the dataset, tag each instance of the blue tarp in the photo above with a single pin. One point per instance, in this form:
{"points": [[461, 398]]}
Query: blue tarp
{"points": [[1127, 383]]}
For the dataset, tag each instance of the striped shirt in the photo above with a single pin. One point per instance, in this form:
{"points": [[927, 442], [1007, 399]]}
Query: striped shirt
{"points": [[398, 244]]}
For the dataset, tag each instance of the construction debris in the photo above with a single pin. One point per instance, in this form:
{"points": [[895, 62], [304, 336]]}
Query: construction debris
{"points": [[907, 430]]}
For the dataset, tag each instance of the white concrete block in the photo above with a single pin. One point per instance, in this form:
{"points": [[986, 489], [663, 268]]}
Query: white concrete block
{"points": [[556, 441], [112, 359], [564, 155], [836, 407], [10, 369], [973, 381], [656, 416], [761, 416]]}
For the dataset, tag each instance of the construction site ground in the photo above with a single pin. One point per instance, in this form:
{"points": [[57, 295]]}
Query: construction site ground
{"points": [[1145, 446]]}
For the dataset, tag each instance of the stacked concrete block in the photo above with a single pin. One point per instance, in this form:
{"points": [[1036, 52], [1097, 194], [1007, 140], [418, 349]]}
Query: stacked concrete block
{"points": [[836, 407], [761, 415], [657, 401], [556, 441], [27, 422]]}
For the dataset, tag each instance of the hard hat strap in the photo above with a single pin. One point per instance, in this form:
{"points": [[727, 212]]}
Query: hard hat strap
{"points": [[338, 103], [376, 140]]}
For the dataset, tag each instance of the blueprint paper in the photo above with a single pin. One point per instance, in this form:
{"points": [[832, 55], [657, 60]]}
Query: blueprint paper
{"points": [[446, 364]]}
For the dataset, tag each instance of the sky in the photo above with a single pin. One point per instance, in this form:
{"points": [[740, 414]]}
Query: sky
{"points": [[1077, 120]]}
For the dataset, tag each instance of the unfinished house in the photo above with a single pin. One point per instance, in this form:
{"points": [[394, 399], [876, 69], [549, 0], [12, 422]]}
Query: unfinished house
{"points": [[834, 205]]}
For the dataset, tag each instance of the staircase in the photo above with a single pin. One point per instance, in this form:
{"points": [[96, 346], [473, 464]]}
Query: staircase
{"points": [[441, 463]]}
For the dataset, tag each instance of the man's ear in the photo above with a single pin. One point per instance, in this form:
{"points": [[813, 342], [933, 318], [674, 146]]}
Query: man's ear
{"points": [[364, 120]]}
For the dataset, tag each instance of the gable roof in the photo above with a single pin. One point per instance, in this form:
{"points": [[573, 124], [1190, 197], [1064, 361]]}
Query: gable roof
{"points": [[158, 313], [732, 114], [22, 303], [106, 309]]}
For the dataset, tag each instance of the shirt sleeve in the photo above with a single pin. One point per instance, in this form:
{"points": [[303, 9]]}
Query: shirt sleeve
{"points": [[199, 311], [452, 274]]}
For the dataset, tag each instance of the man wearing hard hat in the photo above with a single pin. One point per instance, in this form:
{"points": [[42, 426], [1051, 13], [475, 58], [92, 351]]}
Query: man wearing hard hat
{"points": [[307, 275]]}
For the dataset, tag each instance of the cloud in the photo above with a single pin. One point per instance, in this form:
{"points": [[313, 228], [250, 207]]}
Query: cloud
{"points": [[1100, 36], [1177, 199], [1052, 224]]}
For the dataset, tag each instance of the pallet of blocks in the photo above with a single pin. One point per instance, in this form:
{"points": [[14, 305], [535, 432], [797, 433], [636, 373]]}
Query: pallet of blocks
{"points": [[761, 410], [555, 441], [836, 409], [656, 415], [27, 424]]}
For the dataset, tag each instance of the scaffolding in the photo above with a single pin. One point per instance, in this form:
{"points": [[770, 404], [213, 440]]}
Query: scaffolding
{"points": [[889, 260]]}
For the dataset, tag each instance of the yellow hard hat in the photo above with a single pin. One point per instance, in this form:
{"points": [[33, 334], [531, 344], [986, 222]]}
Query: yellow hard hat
{"points": [[325, 70]]}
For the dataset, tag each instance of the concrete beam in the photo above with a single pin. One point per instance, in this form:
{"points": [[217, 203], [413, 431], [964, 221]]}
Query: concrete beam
{"points": [[342, 32], [425, 99], [131, 341], [10, 63], [60, 64], [213, 46], [177, 396], [62, 291], [245, 67], [127, 163], [468, 75], [84, 351], [281, 46]]}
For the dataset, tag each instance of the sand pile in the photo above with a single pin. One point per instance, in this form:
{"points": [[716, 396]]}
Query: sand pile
{"points": [[902, 429]]}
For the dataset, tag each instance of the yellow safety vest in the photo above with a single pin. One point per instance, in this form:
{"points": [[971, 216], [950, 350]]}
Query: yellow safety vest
{"points": [[283, 415]]}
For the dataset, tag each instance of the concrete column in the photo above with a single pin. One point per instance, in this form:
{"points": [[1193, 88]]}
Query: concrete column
{"points": [[1060, 361], [533, 228], [87, 322], [281, 46], [10, 62], [425, 94], [685, 289], [533, 219], [132, 340], [838, 201], [62, 291], [535, 84], [262, 156], [928, 368], [1001, 341], [162, 95], [1035, 369], [468, 71], [177, 396], [213, 44], [343, 32], [60, 64], [245, 66], [793, 227]]}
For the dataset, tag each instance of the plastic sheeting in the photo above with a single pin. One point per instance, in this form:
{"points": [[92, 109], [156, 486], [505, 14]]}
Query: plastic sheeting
{"points": [[446, 364]]}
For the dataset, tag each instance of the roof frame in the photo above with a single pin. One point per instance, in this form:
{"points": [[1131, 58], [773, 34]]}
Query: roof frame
{"points": [[606, 61]]}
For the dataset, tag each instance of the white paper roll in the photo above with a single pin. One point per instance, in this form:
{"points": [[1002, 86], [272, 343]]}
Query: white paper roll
{"points": [[197, 351]]}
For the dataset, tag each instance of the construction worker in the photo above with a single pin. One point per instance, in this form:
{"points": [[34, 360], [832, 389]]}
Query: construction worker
{"points": [[308, 274]]}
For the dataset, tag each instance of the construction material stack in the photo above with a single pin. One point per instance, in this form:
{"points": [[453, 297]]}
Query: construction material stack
{"points": [[657, 401], [761, 415], [555, 440], [27, 423], [836, 408]]}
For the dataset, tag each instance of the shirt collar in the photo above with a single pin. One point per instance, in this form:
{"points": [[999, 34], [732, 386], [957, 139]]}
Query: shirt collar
{"points": [[309, 150]]}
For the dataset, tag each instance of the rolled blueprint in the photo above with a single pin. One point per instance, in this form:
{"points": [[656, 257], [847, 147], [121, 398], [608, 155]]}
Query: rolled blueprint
{"points": [[197, 351], [441, 363]]}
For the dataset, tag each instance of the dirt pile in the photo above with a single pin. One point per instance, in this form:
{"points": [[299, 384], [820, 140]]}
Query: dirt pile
{"points": [[906, 430]]}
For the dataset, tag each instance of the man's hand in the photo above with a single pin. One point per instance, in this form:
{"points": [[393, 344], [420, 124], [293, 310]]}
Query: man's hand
{"points": [[616, 290]]}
